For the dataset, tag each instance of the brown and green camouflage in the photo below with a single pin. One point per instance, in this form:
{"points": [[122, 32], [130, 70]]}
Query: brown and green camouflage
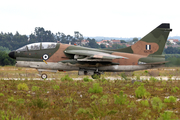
{"points": [[144, 54]]}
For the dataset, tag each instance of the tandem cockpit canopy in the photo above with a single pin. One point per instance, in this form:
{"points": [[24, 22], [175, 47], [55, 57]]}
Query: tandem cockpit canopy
{"points": [[38, 46]]}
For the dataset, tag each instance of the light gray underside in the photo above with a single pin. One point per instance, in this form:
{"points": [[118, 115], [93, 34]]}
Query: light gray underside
{"points": [[69, 67]]}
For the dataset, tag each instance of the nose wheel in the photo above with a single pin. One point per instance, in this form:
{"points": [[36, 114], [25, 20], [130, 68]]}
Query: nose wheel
{"points": [[43, 76]]}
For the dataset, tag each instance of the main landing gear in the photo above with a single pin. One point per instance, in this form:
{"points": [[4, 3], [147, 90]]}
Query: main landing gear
{"points": [[96, 75], [43, 76]]}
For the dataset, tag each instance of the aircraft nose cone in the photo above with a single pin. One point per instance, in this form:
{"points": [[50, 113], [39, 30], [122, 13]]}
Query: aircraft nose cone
{"points": [[12, 55]]}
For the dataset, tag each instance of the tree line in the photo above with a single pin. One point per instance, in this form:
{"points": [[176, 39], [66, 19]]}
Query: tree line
{"points": [[172, 50], [13, 42]]}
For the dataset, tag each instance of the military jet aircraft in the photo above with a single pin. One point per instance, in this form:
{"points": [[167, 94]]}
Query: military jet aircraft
{"points": [[53, 57]]}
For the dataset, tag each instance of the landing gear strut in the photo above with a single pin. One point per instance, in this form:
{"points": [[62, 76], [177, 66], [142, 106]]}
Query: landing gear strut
{"points": [[43, 76]]}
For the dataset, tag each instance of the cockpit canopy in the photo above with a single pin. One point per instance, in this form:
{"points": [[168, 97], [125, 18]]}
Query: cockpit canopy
{"points": [[38, 46]]}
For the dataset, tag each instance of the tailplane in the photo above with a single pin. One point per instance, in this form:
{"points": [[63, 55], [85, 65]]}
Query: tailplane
{"points": [[153, 43]]}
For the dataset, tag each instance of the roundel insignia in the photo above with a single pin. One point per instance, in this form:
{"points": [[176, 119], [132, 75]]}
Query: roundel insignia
{"points": [[45, 56]]}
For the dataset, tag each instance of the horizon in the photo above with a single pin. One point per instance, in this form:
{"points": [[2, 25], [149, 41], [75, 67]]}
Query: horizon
{"points": [[100, 37]]}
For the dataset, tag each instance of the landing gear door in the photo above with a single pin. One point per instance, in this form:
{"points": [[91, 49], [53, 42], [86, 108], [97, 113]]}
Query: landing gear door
{"points": [[85, 72]]}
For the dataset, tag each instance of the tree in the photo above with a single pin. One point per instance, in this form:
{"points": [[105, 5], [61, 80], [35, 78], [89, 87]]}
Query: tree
{"points": [[169, 43], [135, 40], [171, 50], [178, 43], [102, 46], [12, 42], [117, 46], [4, 49], [123, 41], [5, 59], [40, 35], [92, 43]]}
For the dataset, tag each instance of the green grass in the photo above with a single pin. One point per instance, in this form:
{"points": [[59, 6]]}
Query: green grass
{"points": [[86, 79], [171, 99], [141, 92], [97, 99], [64, 98], [144, 103], [22, 86], [56, 87], [121, 99], [174, 89], [1, 94], [35, 88], [96, 88], [66, 78], [157, 104]]}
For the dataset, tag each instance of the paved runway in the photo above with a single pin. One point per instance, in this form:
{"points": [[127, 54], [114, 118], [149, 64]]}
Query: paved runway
{"points": [[108, 78]]}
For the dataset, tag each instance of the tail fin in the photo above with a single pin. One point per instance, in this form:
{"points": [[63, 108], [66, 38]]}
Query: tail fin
{"points": [[153, 43]]}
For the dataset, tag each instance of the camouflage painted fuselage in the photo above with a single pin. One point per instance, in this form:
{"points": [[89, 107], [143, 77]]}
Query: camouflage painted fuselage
{"points": [[144, 54], [59, 60]]}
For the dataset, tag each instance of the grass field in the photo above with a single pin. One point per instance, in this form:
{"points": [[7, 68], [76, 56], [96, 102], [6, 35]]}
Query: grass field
{"points": [[67, 99]]}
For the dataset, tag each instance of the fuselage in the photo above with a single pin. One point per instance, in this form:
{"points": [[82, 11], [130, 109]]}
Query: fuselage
{"points": [[52, 56], [47, 56]]}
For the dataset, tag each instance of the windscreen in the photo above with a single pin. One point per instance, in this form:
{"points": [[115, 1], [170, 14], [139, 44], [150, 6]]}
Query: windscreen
{"points": [[48, 45], [34, 46], [24, 48]]}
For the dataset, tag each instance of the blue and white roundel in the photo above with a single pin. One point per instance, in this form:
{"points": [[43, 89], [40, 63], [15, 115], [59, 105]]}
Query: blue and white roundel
{"points": [[45, 56]]}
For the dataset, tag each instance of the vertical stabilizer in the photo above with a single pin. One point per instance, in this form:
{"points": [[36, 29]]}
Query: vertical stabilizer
{"points": [[153, 43]]}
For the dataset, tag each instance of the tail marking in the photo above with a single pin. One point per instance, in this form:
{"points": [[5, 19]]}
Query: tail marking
{"points": [[149, 48]]}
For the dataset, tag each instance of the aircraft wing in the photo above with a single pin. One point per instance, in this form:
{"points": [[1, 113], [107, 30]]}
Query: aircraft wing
{"points": [[94, 55]]}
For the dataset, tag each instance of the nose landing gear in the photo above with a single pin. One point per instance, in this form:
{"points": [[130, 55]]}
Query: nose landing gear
{"points": [[43, 75]]}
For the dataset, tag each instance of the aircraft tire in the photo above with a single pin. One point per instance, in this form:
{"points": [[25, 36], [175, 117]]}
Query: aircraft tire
{"points": [[43, 76]]}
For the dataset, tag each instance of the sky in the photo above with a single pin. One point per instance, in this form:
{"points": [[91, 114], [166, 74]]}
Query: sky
{"points": [[108, 18]]}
